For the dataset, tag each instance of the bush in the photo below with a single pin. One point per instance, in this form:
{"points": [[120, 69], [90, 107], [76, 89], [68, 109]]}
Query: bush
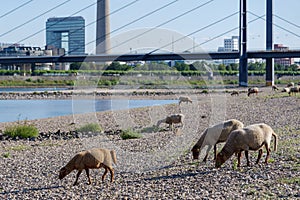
{"points": [[22, 131], [92, 127], [130, 134]]}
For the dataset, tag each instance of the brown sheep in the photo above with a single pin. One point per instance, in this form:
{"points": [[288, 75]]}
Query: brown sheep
{"points": [[172, 119], [235, 93], [252, 91], [214, 135], [252, 137], [90, 159]]}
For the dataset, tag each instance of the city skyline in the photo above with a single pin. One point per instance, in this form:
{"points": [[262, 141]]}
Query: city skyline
{"points": [[25, 24]]}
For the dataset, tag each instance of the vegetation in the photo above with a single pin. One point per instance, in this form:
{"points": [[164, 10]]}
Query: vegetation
{"points": [[91, 127], [22, 131], [130, 134]]}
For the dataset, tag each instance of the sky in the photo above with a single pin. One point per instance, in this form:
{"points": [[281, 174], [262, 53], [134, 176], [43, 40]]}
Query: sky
{"points": [[168, 25]]}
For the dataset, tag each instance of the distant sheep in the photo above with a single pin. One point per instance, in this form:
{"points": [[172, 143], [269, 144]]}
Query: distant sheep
{"points": [[214, 135], [185, 99], [252, 137], [172, 119], [286, 90], [252, 91], [291, 84], [90, 159], [235, 93], [294, 90], [274, 87]]}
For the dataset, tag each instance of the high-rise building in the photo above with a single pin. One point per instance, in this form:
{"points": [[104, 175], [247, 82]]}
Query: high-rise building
{"points": [[282, 61], [67, 33], [230, 44]]}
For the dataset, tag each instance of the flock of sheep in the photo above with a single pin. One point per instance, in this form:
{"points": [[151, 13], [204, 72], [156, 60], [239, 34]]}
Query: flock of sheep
{"points": [[237, 139]]}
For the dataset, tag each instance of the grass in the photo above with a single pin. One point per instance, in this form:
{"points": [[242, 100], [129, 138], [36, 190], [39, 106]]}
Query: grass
{"points": [[22, 131], [18, 148], [130, 134], [91, 127], [293, 180], [6, 155]]}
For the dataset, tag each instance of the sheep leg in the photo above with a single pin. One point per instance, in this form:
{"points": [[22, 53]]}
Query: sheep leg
{"points": [[259, 155], [207, 151], [268, 153], [77, 176], [88, 175], [247, 158], [105, 172], [215, 151], [112, 174]]}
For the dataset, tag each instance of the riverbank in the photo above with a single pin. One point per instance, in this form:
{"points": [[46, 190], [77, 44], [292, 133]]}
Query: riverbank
{"points": [[159, 165]]}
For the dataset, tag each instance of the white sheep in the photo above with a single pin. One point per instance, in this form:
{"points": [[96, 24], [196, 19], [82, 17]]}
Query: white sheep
{"points": [[291, 84], [185, 99], [90, 159], [172, 119], [253, 90], [214, 135], [252, 137], [286, 90]]}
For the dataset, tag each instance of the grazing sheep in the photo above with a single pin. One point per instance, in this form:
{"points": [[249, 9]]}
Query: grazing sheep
{"points": [[90, 159], [294, 90], [214, 135], [274, 87], [172, 119], [291, 84], [235, 93], [286, 90], [252, 91], [252, 137], [185, 99]]}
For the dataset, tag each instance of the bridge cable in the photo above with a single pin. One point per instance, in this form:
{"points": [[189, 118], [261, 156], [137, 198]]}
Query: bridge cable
{"points": [[138, 19], [11, 11], [15, 28]]}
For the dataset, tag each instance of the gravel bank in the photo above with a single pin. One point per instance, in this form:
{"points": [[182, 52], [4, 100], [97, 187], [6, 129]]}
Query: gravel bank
{"points": [[159, 165]]}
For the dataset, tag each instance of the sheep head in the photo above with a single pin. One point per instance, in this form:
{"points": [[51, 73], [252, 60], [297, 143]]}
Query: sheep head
{"points": [[196, 152], [221, 158], [63, 172]]}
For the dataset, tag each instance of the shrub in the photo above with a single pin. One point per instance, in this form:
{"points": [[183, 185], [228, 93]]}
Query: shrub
{"points": [[130, 134], [92, 127], [22, 131]]}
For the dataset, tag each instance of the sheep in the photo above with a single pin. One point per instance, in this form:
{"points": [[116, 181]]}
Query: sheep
{"points": [[274, 87], [214, 135], [286, 90], [185, 99], [235, 93], [252, 91], [172, 119], [252, 137], [291, 84], [294, 90], [90, 159]]}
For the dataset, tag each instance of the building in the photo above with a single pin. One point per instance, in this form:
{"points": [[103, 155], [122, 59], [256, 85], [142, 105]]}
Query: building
{"points": [[283, 61], [230, 44], [67, 33]]}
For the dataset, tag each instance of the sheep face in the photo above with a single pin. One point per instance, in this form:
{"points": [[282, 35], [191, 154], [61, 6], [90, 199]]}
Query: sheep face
{"points": [[196, 152], [221, 158], [62, 173]]}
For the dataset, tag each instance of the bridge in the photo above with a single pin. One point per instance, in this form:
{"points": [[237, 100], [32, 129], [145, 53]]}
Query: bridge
{"points": [[243, 54]]}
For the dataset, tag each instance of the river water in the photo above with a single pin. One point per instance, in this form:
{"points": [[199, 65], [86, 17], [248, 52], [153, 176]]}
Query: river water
{"points": [[14, 110]]}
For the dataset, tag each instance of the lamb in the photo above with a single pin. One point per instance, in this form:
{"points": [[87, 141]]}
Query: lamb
{"points": [[214, 135], [172, 119], [235, 93], [252, 91], [252, 137], [185, 99], [90, 159]]}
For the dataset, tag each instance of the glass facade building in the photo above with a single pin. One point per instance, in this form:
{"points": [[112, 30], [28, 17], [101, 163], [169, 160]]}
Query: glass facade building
{"points": [[67, 33]]}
